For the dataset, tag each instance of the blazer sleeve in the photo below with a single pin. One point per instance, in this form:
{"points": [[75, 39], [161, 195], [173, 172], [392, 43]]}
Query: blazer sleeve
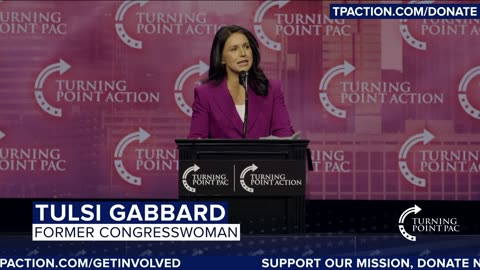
{"points": [[199, 127], [281, 126]]}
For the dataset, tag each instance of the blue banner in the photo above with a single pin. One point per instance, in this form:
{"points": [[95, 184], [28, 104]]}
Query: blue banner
{"points": [[129, 212], [252, 252], [239, 262]]}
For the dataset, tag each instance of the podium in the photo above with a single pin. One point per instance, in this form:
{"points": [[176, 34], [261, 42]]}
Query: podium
{"points": [[263, 181]]}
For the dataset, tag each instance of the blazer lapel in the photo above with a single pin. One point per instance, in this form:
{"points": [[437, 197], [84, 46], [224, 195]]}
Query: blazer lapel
{"points": [[255, 106], [224, 102]]}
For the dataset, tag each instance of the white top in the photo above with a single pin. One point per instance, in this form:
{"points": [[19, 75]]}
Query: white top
{"points": [[241, 111]]}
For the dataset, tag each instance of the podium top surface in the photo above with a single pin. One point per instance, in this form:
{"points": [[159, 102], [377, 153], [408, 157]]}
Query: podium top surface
{"points": [[185, 142]]}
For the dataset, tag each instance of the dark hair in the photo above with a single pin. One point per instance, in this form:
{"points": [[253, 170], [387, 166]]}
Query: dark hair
{"points": [[217, 72]]}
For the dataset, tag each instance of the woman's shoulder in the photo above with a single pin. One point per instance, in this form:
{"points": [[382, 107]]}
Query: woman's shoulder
{"points": [[206, 87], [274, 85]]}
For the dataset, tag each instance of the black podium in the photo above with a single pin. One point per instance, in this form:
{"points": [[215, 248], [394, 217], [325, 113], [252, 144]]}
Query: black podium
{"points": [[263, 181]]}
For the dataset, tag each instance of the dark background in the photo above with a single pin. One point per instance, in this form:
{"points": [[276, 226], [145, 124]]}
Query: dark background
{"points": [[323, 217]]}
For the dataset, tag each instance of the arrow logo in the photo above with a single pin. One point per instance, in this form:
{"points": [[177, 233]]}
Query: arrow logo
{"points": [[80, 253], [258, 19], [462, 90], [119, 16], [415, 209], [33, 252], [120, 29], [139, 136], [60, 67], [2, 135], [201, 68], [197, 252], [401, 220], [251, 168], [146, 253], [193, 168], [425, 253], [405, 32], [257, 253], [346, 68], [307, 252], [424, 137], [266, 6]]}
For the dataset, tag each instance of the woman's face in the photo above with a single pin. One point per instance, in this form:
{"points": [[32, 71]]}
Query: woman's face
{"points": [[237, 54]]}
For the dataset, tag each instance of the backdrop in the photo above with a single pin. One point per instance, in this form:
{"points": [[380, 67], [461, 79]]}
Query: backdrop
{"points": [[93, 94]]}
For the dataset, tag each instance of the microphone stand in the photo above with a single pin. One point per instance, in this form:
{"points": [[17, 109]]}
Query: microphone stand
{"points": [[244, 81]]}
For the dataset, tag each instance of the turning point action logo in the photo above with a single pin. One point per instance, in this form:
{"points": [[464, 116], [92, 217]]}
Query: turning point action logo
{"points": [[251, 168], [87, 92], [424, 137], [150, 23], [462, 92], [60, 67], [247, 179], [372, 92], [265, 179], [346, 69], [456, 160], [425, 224], [120, 16], [201, 68], [139, 136]]}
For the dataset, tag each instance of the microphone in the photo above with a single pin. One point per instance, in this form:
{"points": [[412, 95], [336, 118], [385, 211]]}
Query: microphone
{"points": [[243, 79]]}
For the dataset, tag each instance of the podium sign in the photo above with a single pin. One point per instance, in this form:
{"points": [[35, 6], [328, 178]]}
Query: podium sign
{"points": [[263, 181], [241, 178]]}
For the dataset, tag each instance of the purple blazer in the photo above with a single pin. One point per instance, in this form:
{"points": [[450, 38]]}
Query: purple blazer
{"points": [[215, 116]]}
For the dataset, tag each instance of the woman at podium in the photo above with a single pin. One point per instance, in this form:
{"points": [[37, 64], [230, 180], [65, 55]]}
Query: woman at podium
{"points": [[222, 106]]}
